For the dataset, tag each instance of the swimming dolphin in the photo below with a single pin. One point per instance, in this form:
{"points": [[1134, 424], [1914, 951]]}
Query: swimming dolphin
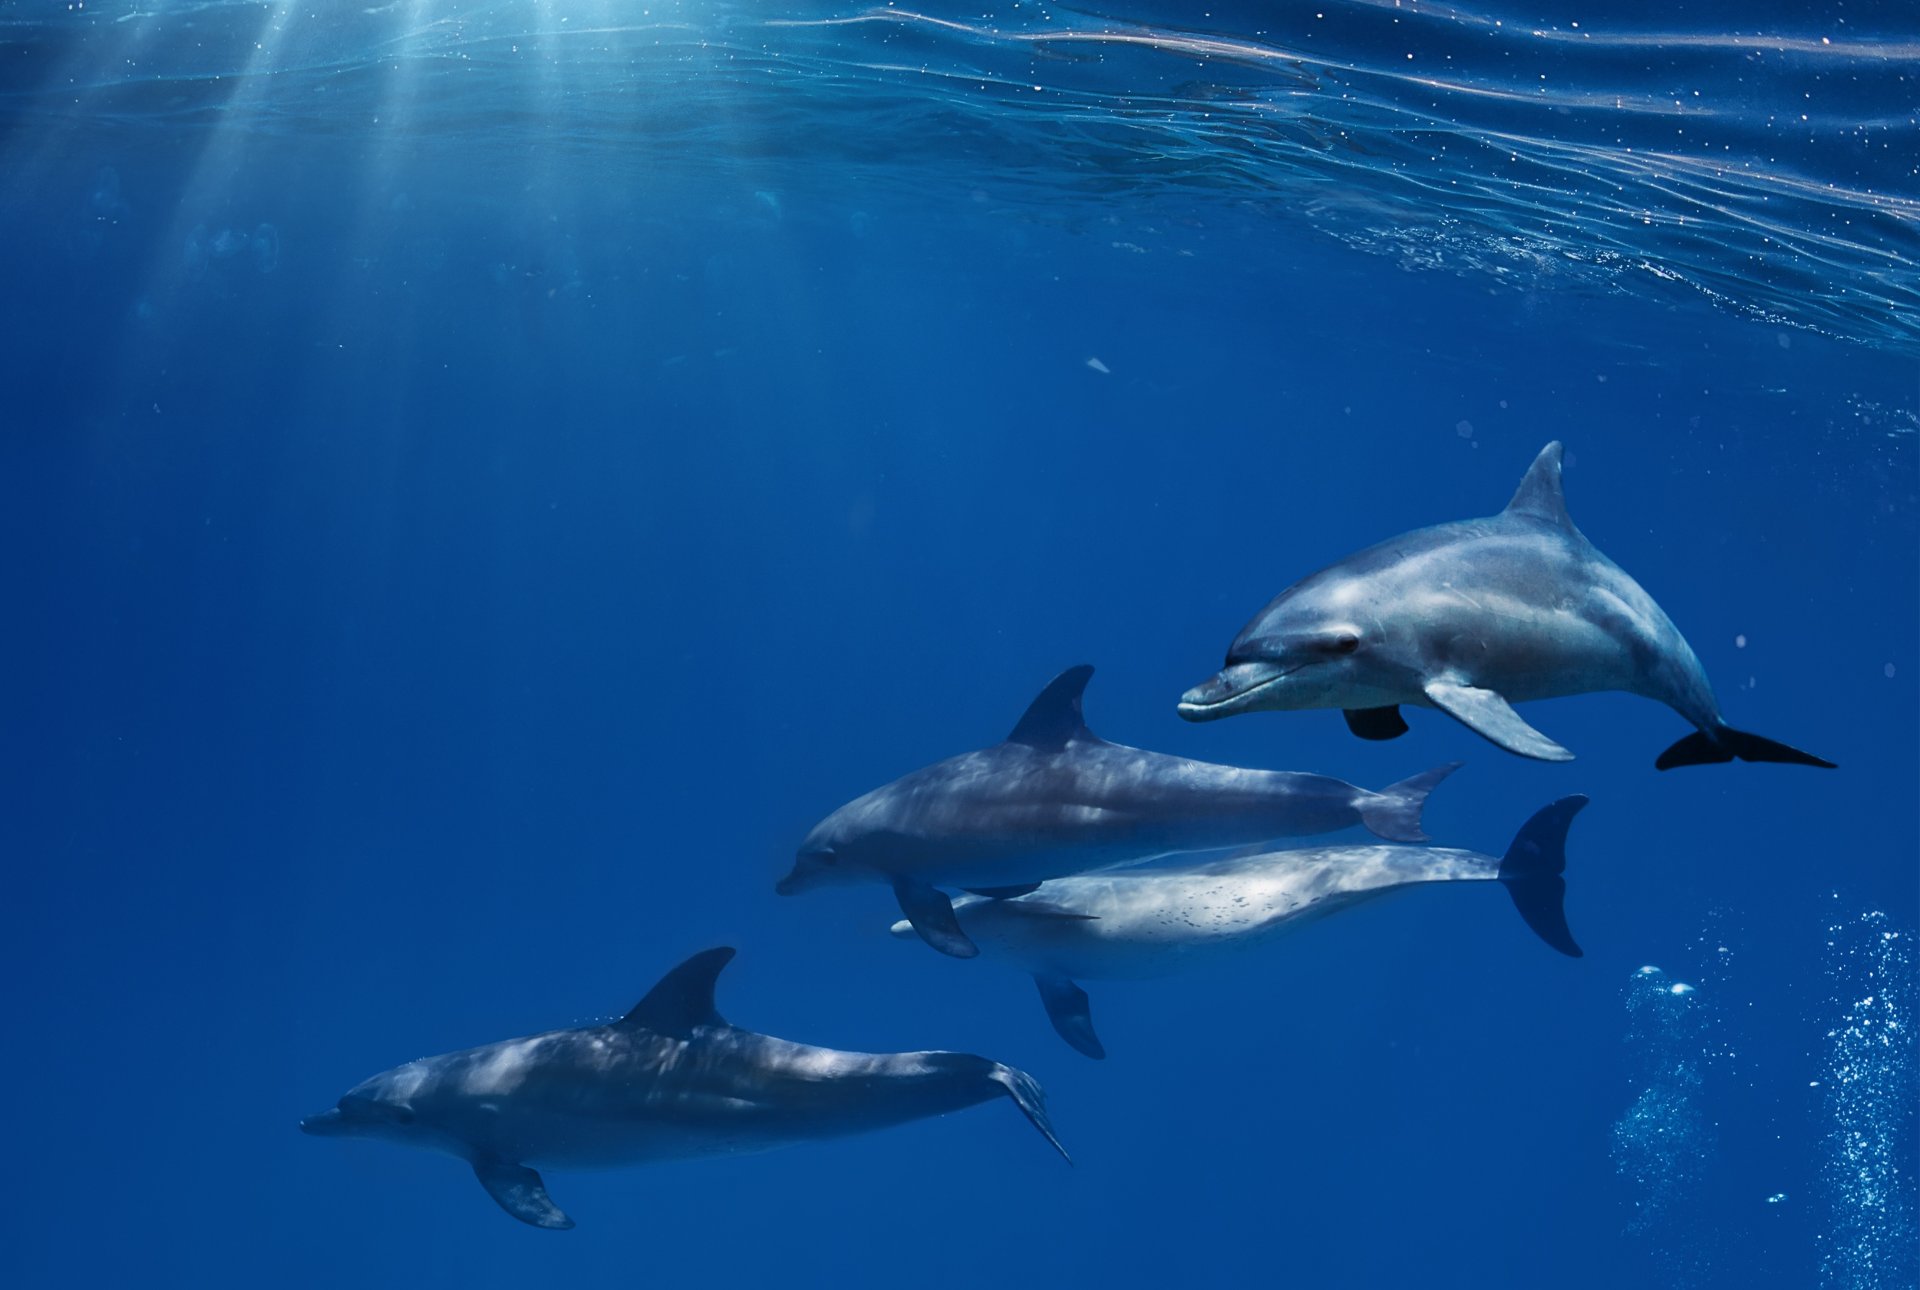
{"points": [[1155, 921], [1056, 799], [670, 1080], [1470, 618]]}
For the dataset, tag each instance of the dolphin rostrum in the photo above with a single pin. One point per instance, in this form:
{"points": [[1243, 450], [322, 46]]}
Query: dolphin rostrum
{"points": [[1056, 799], [1471, 618], [1155, 921], [669, 1081]]}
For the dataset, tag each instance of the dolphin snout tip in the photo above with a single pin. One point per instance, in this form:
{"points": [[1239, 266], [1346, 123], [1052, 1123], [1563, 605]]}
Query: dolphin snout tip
{"points": [[1207, 701], [786, 886], [325, 1124]]}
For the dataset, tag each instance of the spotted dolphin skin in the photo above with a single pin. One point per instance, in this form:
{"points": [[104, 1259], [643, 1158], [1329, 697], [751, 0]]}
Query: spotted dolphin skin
{"points": [[669, 1081], [1471, 618], [1056, 799], [1159, 920]]}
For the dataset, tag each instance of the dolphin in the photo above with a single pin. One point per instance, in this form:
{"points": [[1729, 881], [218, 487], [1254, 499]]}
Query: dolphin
{"points": [[670, 1080], [1471, 618], [1056, 799], [1156, 921]]}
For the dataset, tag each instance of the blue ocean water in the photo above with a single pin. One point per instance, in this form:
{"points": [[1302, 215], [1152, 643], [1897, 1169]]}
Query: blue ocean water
{"points": [[482, 479]]}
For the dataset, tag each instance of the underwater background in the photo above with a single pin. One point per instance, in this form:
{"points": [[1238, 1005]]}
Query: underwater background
{"points": [[481, 480]]}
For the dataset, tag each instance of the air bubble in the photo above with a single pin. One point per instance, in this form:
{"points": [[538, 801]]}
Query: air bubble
{"points": [[1869, 1099]]}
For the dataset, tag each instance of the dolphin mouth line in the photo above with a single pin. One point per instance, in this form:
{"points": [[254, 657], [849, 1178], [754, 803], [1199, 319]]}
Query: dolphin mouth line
{"points": [[1230, 704]]}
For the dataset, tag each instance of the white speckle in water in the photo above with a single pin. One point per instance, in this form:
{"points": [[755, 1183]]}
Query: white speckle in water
{"points": [[1776, 1198], [1888, 669], [1464, 429], [1740, 641], [1099, 366]]}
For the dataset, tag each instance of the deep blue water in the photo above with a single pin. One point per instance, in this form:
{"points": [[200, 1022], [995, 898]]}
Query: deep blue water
{"points": [[481, 480]]}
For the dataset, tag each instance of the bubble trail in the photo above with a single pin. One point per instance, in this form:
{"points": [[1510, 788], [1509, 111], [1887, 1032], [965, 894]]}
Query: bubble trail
{"points": [[1660, 1142], [1869, 1093]]}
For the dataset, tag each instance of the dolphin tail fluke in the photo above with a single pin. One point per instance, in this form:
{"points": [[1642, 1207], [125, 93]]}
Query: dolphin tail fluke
{"points": [[1027, 1094], [1394, 812], [1071, 1013], [1532, 868], [1725, 743], [520, 1191]]}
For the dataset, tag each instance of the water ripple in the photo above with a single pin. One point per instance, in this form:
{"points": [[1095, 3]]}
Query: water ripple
{"points": [[1770, 170]]}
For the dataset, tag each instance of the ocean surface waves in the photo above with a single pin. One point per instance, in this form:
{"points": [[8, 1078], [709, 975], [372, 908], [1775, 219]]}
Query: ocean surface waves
{"points": [[1767, 165]]}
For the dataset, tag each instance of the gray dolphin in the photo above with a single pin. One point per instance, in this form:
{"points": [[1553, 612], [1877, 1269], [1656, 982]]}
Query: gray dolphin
{"points": [[1471, 618], [670, 1080], [1056, 799], [1158, 920]]}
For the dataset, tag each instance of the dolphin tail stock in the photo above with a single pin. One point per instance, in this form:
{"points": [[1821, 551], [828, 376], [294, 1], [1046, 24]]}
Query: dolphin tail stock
{"points": [[1394, 812], [1027, 1094], [1724, 743], [1532, 868]]}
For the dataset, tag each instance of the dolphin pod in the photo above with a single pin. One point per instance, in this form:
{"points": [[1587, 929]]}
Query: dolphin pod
{"points": [[1159, 920], [1471, 618], [1052, 837], [671, 1080]]}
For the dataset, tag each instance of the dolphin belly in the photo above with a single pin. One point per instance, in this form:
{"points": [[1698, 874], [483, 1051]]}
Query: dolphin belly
{"points": [[546, 1139]]}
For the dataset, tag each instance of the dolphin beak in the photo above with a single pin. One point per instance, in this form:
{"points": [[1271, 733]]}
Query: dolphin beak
{"points": [[327, 1124], [788, 885], [1234, 689]]}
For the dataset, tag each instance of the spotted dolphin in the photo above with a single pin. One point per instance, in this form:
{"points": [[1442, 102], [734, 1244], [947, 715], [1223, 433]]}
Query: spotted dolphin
{"points": [[1471, 618], [1160, 919], [1056, 799], [669, 1081]]}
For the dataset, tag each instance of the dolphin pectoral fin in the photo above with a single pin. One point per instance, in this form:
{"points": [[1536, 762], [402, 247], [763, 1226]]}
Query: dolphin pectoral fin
{"points": [[1006, 893], [931, 914], [519, 1190], [1071, 1014], [1726, 743], [1377, 723], [1489, 715]]}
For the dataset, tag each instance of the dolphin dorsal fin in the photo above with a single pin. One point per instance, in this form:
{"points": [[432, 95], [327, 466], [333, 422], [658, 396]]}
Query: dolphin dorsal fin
{"points": [[684, 997], [1054, 717], [1539, 494]]}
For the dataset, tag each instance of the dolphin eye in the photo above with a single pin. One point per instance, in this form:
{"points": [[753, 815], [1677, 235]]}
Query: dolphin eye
{"points": [[1344, 643]]}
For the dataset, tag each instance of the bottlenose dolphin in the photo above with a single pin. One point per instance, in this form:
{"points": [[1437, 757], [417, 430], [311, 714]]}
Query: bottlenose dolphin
{"points": [[1471, 618], [1056, 799], [1157, 920], [670, 1080]]}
